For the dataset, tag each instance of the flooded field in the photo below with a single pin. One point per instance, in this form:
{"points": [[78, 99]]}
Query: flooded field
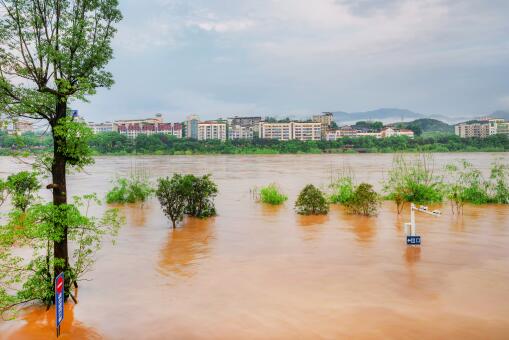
{"points": [[257, 272]]}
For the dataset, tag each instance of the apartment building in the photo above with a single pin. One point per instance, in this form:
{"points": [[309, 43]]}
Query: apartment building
{"points": [[212, 130], [307, 131], [325, 119], [291, 131], [191, 127], [134, 130], [279, 131], [240, 132], [103, 127], [157, 119], [482, 128], [391, 132]]}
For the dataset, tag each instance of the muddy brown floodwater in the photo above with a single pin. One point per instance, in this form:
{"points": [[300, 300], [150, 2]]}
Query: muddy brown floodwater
{"points": [[257, 272]]}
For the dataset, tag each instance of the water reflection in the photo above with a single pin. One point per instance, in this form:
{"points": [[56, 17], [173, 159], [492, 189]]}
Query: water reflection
{"points": [[136, 214], [40, 324], [186, 246], [363, 227], [412, 254], [269, 210], [311, 225]]}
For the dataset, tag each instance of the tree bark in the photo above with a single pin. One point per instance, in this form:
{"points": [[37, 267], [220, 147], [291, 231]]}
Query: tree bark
{"points": [[59, 187]]}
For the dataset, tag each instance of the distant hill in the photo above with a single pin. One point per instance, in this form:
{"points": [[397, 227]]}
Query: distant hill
{"points": [[383, 115], [386, 115], [500, 114], [427, 125]]}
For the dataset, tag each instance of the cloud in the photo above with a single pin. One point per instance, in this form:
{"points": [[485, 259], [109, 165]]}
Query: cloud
{"points": [[226, 56]]}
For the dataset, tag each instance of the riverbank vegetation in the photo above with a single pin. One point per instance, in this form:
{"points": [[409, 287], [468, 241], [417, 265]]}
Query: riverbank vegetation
{"points": [[311, 201], [113, 143], [187, 194], [271, 194]]}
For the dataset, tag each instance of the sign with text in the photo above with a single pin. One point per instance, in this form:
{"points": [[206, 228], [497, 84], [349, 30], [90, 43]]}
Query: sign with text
{"points": [[59, 300], [413, 240]]}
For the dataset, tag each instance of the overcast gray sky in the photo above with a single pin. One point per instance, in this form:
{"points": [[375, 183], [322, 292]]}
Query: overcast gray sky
{"points": [[223, 57]]}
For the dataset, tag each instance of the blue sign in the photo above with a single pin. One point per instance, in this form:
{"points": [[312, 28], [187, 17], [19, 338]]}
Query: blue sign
{"points": [[59, 300], [413, 240]]}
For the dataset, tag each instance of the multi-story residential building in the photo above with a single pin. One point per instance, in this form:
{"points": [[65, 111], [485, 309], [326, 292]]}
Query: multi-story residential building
{"points": [[307, 131], [347, 131], [244, 121], [325, 119], [291, 131], [472, 130], [212, 130], [279, 131], [482, 128], [133, 130], [103, 127], [177, 130], [191, 126], [158, 118], [240, 132], [391, 132]]}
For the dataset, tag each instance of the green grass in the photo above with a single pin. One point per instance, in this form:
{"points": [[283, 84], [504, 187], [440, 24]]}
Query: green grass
{"points": [[271, 195]]}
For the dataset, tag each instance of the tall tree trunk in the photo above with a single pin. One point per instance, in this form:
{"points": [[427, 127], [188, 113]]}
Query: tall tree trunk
{"points": [[59, 187]]}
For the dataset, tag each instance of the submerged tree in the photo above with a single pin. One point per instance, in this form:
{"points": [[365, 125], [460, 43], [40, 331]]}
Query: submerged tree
{"points": [[186, 194], [364, 201], [51, 54], [311, 201], [172, 196]]}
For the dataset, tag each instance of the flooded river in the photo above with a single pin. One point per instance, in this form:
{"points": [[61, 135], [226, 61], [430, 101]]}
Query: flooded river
{"points": [[257, 272]]}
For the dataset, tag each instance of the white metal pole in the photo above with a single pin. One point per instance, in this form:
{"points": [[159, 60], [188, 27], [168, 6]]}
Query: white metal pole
{"points": [[412, 220]]}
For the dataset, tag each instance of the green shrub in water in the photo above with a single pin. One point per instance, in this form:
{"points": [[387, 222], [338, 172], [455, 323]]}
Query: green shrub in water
{"points": [[133, 189], [343, 190], [271, 195], [364, 201], [311, 201], [413, 181]]}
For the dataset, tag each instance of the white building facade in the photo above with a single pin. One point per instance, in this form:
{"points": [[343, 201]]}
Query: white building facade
{"points": [[212, 130]]}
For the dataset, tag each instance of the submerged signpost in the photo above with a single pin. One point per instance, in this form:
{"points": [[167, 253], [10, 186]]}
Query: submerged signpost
{"points": [[412, 239], [59, 301]]}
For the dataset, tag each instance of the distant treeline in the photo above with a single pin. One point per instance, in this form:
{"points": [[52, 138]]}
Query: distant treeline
{"points": [[115, 143]]}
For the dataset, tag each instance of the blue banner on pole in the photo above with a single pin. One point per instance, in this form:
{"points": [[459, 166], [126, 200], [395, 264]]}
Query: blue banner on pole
{"points": [[413, 240], [59, 299]]}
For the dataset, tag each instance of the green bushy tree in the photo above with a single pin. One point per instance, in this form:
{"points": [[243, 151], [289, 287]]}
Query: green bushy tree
{"points": [[172, 195], [51, 54], [23, 187], [187, 194], [311, 201], [364, 201]]}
